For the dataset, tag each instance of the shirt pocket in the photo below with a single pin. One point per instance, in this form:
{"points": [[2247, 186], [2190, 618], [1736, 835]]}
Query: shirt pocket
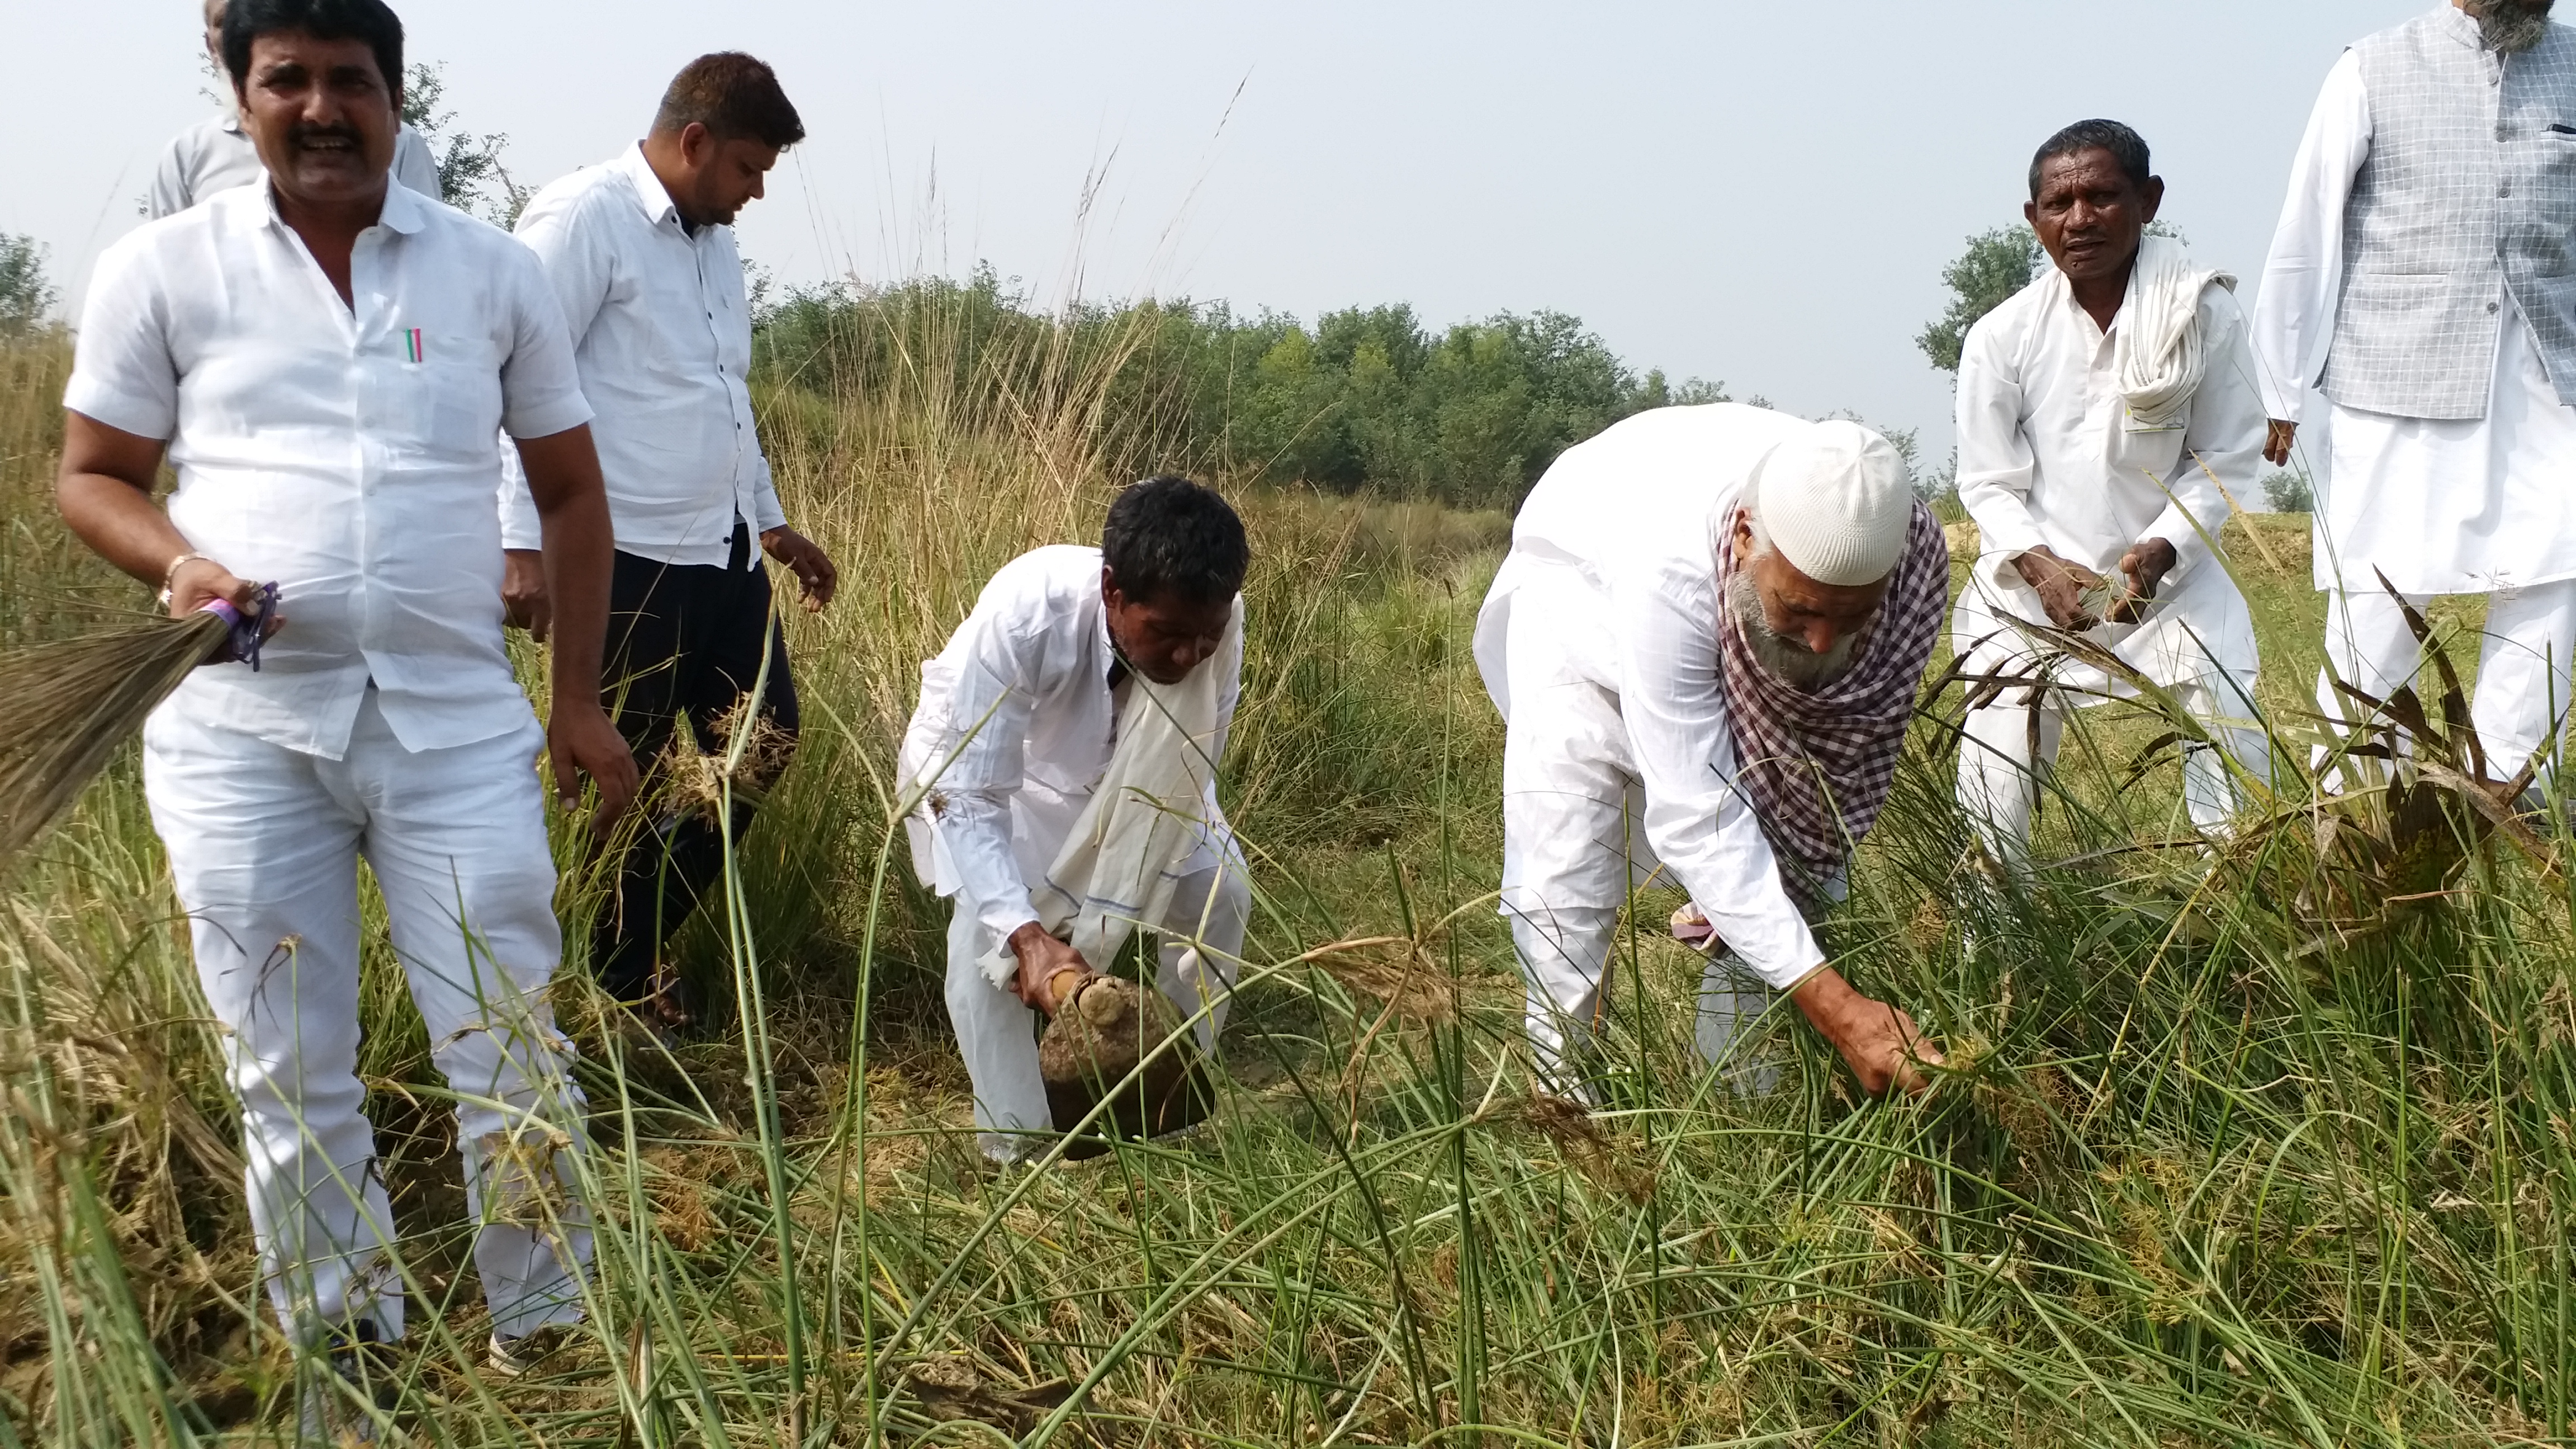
{"points": [[439, 397]]}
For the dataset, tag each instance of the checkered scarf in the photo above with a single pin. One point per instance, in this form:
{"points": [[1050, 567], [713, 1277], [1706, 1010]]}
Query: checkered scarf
{"points": [[1817, 767]]}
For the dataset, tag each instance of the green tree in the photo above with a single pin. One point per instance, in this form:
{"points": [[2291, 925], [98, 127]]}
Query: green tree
{"points": [[1995, 265], [471, 175], [27, 296]]}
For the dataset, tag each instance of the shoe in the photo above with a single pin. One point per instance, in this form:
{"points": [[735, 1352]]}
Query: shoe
{"points": [[336, 1388], [511, 1357]]}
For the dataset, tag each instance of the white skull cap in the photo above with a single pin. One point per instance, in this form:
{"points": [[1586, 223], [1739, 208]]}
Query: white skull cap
{"points": [[1836, 502]]}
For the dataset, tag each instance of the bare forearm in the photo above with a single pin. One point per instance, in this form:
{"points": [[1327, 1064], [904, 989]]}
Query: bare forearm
{"points": [[578, 558], [121, 524]]}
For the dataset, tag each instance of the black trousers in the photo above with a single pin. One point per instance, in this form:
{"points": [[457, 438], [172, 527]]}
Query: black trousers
{"points": [[685, 644]]}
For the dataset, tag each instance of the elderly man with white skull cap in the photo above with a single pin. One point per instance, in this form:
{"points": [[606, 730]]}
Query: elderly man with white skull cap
{"points": [[1705, 644]]}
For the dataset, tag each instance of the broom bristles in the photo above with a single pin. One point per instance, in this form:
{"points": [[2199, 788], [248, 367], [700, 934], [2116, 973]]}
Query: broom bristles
{"points": [[77, 702]]}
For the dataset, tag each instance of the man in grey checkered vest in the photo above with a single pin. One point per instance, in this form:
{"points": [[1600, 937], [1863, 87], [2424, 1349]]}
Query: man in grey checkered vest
{"points": [[2424, 277]]}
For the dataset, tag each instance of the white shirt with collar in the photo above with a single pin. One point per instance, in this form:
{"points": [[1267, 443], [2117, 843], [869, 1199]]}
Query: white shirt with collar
{"points": [[1020, 708], [347, 454], [662, 330], [216, 155], [2045, 459]]}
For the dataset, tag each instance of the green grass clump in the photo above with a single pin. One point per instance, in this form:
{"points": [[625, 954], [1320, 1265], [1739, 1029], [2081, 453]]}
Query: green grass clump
{"points": [[2231, 1151]]}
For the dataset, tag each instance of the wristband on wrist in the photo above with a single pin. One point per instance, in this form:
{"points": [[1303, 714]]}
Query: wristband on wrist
{"points": [[170, 575]]}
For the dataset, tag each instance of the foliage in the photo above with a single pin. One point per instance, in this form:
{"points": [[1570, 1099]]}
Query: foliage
{"points": [[471, 174], [27, 295], [1364, 398], [1995, 265], [2287, 490]]}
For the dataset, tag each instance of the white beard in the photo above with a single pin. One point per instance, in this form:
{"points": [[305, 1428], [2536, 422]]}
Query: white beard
{"points": [[2510, 27], [1782, 656]]}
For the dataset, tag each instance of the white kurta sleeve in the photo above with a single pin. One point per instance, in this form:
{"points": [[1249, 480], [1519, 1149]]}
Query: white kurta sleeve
{"points": [[2224, 443], [169, 194], [1996, 463], [1672, 702], [2294, 312], [985, 746], [123, 373]]}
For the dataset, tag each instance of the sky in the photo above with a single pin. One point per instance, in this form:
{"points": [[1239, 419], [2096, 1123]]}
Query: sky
{"points": [[1762, 195]]}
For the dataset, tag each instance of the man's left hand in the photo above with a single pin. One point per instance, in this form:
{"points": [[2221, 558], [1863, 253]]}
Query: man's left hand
{"points": [[816, 578], [2146, 565], [524, 604], [580, 741]]}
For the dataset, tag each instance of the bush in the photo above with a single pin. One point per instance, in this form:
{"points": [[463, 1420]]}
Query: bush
{"points": [[2289, 492], [27, 296]]}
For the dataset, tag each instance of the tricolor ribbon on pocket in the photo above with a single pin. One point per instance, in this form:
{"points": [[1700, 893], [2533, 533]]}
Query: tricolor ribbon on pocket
{"points": [[412, 344]]}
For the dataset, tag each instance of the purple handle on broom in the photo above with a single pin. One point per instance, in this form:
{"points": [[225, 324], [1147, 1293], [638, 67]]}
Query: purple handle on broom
{"points": [[246, 630]]}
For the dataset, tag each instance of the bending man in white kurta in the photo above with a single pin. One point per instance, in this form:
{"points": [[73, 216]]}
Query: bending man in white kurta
{"points": [[1021, 717], [2099, 409], [2420, 278], [1713, 621]]}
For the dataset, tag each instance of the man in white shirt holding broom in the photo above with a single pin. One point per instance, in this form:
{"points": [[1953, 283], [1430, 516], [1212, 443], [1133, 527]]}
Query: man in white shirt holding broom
{"points": [[1065, 749], [2100, 410], [327, 360]]}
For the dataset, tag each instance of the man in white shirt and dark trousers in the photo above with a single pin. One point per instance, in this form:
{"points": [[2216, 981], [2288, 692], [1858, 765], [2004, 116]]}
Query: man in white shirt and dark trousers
{"points": [[216, 154], [328, 359], [1705, 644], [2420, 278], [2100, 410], [641, 254], [1041, 691]]}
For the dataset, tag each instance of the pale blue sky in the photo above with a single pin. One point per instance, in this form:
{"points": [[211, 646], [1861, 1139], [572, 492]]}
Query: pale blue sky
{"points": [[1763, 194]]}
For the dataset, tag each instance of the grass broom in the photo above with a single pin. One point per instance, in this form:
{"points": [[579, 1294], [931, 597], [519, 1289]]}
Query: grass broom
{"points": [[79, 699]]}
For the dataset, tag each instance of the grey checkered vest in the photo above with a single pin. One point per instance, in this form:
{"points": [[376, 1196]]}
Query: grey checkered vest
{"points": [[2471, 180]]}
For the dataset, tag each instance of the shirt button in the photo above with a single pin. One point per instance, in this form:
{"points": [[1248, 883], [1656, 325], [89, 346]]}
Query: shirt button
{"points": [[2494, 307], [2504, 188], [2501, 133]]}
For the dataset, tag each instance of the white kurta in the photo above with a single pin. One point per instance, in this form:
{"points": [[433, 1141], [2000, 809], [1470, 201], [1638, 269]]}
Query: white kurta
{"points": [[1016, 727], [2047, 458], [1613, 563], [2438, 505]]}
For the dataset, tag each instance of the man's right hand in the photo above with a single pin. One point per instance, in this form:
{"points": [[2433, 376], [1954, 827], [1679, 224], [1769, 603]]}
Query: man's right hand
{"points": [[2060, 585], [1043, 959], [200, 581], [2277, 438], [524, 604], [1879, 1042]]}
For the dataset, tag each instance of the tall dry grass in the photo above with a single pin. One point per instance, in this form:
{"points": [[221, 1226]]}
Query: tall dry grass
{"points": [[2215, 1166]]}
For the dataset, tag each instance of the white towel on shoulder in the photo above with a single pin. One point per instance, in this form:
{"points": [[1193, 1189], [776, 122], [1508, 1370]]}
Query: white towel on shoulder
{"points": [[1118, 869], [2158, 357]]}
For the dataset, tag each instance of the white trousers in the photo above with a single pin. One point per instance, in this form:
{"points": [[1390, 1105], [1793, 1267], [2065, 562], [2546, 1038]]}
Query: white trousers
{"points": [[264, 844], [2523, 687], [1574, 847], [2000, 770], [1195, 965]]}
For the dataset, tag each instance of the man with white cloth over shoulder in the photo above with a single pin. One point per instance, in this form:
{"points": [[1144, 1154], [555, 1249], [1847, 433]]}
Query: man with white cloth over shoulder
{"points": [[1065, 751], [2424, 277], [2100, 410], [1712, 623]]}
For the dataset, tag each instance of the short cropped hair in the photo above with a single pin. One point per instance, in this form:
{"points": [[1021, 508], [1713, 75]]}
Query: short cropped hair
{"points": [[735, 96], [1170, 534], [2126, 147], [369, 20]]}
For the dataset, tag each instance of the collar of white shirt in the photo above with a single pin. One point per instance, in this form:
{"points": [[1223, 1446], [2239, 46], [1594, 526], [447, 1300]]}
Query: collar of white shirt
{"points": [[651, 196]]}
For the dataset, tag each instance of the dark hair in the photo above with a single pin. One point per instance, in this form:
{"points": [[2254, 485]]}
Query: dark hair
{"points": [[2126, 147], [1170, 533], [368, 20], [733, 95]]}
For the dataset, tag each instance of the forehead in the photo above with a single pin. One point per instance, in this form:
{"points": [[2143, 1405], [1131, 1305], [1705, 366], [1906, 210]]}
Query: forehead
{"points": [[302, 47], [749, 151], [1201, 616], [2091, 169]]}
